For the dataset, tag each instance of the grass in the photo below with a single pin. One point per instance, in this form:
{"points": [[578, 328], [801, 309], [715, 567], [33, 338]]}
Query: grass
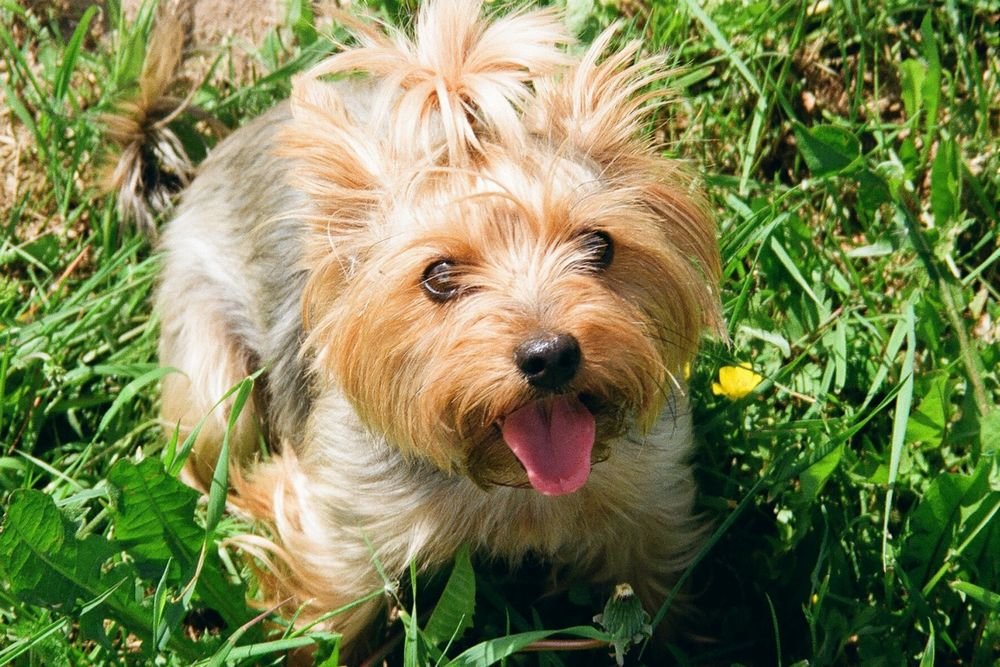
{"points": [[851, 153]]}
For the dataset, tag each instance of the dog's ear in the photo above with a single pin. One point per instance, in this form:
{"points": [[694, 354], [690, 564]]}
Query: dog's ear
{"points": [[601, 108], [600, 105], [336, 164], [343, 173]]}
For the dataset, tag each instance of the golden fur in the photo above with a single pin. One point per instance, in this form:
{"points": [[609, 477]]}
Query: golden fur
{"points": [[305, 242]]}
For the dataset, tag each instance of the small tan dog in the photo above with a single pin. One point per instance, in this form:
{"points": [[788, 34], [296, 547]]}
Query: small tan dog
{"points": [[475, 284]]}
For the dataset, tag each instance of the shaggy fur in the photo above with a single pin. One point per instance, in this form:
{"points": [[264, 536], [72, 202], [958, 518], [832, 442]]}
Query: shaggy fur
{"points": [[306, 244]]}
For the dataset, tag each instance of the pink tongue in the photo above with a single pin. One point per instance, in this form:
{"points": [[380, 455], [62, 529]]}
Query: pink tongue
{"points": [[552, 439]]}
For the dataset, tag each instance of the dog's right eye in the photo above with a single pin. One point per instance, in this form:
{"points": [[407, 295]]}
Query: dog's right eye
{"points": [[439, 281]]}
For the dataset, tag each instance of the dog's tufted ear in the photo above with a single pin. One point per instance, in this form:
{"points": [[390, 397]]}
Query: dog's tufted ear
{"points": [[343, 170], [336, 163], [600, 108], [600, 105]]}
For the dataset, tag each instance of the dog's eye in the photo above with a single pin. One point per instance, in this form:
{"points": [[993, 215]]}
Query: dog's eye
{"points": [[439, 281], [599, 249]]}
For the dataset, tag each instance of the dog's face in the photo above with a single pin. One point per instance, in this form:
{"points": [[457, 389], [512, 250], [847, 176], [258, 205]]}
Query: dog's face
{"points": [[507, 312]]}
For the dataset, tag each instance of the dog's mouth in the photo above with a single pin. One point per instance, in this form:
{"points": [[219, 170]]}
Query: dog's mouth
{"points": [[553, 438]]}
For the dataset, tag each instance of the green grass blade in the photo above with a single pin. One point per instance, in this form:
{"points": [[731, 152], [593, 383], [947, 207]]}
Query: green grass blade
{"points": [[904, 400], [782, 255], [927, 657], [220, 479], [22, 646], [161, 630], [261, 649], [128, 394], [724, 45], [493, 651], [70, 55], [988, 599]]}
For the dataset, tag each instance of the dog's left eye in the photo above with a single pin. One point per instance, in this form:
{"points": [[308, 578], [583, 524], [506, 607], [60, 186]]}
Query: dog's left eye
{"points": [[439, 281], [599, 248]]}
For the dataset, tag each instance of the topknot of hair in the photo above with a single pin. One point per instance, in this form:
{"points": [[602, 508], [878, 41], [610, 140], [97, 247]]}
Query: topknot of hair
{"points": [[459, 80]]}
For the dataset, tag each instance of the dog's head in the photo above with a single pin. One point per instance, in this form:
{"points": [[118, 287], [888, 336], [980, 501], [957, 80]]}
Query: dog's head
{"points": [[505, 275]]}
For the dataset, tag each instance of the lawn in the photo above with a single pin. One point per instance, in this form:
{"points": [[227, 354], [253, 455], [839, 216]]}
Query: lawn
{"points": [[849, 429]]}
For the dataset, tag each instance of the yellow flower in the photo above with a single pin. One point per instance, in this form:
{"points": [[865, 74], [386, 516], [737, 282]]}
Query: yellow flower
{"points": [[735, 382]]}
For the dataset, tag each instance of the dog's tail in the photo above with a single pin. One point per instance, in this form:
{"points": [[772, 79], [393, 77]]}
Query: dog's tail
{"points": [[150, 164]]}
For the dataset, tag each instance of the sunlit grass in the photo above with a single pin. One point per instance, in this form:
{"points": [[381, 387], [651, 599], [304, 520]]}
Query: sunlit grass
{"points": [[851, 154]]}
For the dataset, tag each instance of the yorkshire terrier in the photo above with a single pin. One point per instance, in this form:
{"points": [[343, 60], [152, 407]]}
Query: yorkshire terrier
{"points": [[474, 282]]}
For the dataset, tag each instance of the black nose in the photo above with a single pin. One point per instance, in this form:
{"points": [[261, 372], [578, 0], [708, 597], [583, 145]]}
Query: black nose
{"points": [[548, 361]]}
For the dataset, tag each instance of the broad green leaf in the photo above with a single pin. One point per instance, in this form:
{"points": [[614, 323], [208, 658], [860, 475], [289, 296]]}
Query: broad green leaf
{"points": [[42, 559], [945, 182], [912, 74], [45, 564], [873, 190], [929, 421], [949, 509], [827, 149], [453, 614], [154, 520], [814, 477], [931, 85], [154, 515], [989, 431]]}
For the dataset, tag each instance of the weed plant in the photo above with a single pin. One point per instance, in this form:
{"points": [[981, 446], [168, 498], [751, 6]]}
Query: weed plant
{"points": [[849, 429]]}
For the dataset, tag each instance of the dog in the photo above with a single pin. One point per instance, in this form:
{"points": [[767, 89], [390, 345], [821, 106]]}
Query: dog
{"points": [[474, 283]]}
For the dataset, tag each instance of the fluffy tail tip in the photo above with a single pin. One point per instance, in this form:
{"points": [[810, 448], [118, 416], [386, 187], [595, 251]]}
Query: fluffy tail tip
{"points": [[150, 164]]}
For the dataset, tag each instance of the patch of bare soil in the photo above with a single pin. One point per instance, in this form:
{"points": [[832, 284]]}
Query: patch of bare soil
{"points": [[21, 174], [212, 27]]}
